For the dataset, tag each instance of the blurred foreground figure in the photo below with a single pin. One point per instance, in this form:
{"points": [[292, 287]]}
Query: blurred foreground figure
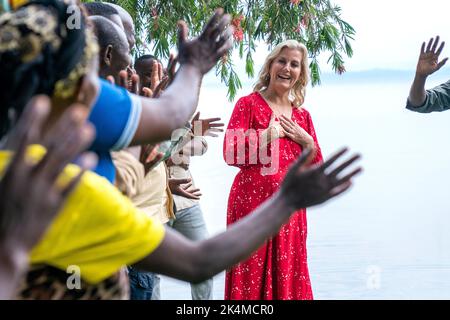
{"points": [[30, 198]]}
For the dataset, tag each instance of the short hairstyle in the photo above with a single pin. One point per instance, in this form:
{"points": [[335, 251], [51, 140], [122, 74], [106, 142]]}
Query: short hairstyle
{"points": [[108, 33], [100, 9], [143, 58]]}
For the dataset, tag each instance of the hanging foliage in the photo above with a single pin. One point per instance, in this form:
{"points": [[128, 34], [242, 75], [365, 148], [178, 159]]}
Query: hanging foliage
{"points": [[316, 23]]}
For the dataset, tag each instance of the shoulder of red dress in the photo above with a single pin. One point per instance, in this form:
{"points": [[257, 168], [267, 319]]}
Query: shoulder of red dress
{"points": [[250, 98], [302, 110]]}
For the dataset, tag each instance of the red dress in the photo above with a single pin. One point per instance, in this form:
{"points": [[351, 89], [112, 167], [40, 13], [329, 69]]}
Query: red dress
{"points": [[278, 269]]}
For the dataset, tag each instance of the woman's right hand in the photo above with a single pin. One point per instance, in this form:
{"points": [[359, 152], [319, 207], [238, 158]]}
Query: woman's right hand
{"points": [[204, 51], [429, 57], [275, 128]]}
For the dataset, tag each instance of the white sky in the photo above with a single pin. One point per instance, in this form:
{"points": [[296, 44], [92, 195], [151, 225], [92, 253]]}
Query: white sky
{"points": [[389, 33]]}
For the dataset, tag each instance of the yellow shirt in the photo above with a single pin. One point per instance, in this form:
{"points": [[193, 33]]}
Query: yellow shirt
{"points": [[98, 229]]}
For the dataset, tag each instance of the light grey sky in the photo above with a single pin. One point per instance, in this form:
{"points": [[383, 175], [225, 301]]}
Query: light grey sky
{"points": [[389, 33]]}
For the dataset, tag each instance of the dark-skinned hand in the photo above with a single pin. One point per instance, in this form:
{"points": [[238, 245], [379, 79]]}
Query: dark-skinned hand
{"points": [[204, 51], [206, 127], [183, 187], [429, 58], [306, 186]]}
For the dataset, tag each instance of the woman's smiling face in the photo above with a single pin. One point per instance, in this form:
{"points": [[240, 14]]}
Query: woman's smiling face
{"points": [[286, 68]]}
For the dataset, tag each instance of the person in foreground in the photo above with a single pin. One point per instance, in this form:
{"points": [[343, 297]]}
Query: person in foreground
{"points": [[432, 100], [30, 198]]}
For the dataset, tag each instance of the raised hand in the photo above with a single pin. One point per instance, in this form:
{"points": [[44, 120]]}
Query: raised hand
{"points": [[206, 127], [204, 51], [129, 81], [306, 186], [157, 74], [158, 82], [183, 187], [296, 133], [429, 58], [29, 195], [161, 79]]}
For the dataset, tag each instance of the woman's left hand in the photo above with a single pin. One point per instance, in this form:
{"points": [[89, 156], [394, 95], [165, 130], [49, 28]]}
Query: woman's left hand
{"points": [[296, 133]]}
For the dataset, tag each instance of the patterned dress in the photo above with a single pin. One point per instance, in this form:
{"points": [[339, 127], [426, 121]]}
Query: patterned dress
{"points": [[278, 269]]}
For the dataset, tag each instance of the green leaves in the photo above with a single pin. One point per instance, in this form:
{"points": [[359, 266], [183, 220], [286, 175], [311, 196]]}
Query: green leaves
{"points": [[316, 23], [315, 72]]}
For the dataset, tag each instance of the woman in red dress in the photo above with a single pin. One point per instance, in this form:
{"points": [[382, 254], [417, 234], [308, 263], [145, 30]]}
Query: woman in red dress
{"points": [[267, 131]]}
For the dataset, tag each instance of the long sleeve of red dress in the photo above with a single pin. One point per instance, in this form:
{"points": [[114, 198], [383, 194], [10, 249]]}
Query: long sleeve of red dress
{"points": [[240, 146]]}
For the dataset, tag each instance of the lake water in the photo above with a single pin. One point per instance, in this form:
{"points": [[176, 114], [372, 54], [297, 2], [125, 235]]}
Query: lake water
{"points": [[388, 237]]}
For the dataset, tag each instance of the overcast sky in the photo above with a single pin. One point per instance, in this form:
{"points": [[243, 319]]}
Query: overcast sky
{"points": [[389, 32]]}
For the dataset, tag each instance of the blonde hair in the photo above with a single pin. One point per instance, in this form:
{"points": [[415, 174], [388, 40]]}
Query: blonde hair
{"points": [[299, 89]]}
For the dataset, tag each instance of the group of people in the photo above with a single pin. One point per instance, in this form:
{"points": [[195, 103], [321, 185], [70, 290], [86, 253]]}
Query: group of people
{"points": [[96, 151]]}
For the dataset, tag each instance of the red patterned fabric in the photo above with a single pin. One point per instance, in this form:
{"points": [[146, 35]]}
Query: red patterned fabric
{"points": [[278, 269]]}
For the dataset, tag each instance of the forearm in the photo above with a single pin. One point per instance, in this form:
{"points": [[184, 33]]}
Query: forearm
{"points": [[309, 144], [241, 239], [183, 259], [417, 94], [13, 265], [182, 95], [160, 117]]}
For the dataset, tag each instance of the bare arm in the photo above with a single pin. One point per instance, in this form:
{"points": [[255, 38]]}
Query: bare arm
{"points": [[303, 187], [160, 117], [197, 261], [417, 94], [14, 263]]}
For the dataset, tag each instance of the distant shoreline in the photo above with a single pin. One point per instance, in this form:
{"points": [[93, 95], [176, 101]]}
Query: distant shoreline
{"points": [[373, 76]]}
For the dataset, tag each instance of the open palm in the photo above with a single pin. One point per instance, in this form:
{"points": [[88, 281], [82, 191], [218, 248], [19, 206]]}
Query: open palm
{"points": [[429, 57]]}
